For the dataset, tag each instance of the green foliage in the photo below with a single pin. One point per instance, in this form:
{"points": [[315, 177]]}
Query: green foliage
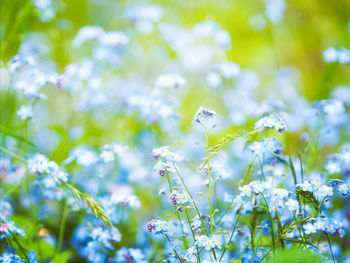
{"points": [[294, 255], [63, 257]]}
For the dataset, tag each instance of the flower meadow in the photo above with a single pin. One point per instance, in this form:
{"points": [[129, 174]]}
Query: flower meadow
{"points": [[175, 131]]}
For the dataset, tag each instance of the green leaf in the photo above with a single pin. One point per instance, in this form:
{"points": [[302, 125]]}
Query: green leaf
{"points": [[294, 255], [62, 257], [46, 250]]}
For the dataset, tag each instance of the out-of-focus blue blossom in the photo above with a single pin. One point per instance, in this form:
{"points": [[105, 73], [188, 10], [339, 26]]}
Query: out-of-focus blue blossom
{"points": [[144, 17], [25, 112], [229, 70], [165, 153], [170, 81], [84, 156], [274, 10], [45, 10], [333, 55], [87, 33], [130, 254], [213, 79], [342, 93]]}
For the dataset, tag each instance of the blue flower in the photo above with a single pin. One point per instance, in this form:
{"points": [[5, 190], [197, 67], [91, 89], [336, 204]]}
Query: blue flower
{"points": [[272, 121], [10, 258], [272, 145], [25, 112], [33, 258]]}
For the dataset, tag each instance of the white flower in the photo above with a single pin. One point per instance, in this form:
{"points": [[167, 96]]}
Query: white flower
{"points": [[25, 112]]}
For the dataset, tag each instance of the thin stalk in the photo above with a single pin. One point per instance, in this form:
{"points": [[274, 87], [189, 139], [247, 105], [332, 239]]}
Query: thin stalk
{"points": [[232, 232], [193, 235], [231, 203], [177, 213], [301, 168], [246, 177], [262, 170], [293, 170], [177, 255], [192, 199], [62, 228], [209, 181], [13, 154], [272, 227], [280, 230], [20, 246], [194, 204], [253, 226], [330, 247]]}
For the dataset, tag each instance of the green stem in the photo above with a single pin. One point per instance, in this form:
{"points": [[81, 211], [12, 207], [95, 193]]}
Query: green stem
{"points": [[231, 236], [193, 235], [192, 199], [194, 204], [272, 227], [246, 176], [177, 255], [280, 230], [210, 183], [177, 213], [301, 168], [330, 247], [20, 246], [62, 228], [12, 154]]}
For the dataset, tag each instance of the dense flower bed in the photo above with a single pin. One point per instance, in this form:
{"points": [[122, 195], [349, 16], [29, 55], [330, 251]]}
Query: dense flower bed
{"points": [[107, 160]]}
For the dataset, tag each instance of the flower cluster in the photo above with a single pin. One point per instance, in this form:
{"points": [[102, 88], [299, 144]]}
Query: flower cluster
{"points": [[327, 225], [104, 157], [266, 146], [158, 226], [40, 165], [7, 229], [179, 197], [208, 243], [272, 121]]}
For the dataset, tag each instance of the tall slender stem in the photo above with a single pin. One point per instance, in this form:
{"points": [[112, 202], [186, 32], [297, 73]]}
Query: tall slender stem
{"points": [[177, 213], [176, 254], [231, 236], [209, 181], [62, 227], [330, 247], [193, 235], [194, 204], [192, 199]]}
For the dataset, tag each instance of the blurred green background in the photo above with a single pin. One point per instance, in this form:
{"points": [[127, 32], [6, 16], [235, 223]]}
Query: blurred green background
{"points": [[308, 28]]}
